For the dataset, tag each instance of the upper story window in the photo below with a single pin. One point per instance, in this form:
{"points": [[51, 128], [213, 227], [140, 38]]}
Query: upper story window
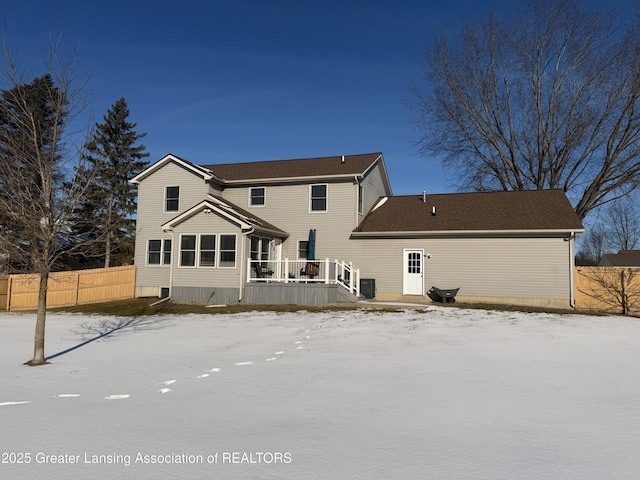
{"points": [[172, 199], [360, 198], [257, 197], [319, 198]]}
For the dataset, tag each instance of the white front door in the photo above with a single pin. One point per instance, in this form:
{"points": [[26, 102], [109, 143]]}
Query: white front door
{"points": [[413, 277]]}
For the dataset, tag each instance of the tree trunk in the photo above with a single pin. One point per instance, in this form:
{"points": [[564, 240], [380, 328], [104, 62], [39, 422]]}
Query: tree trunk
{"points": [[107, 246], [107, 250], [38, 342]]}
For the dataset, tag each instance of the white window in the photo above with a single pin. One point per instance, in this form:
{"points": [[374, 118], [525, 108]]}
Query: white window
{"points": [[257, 196], [159, 252], [227, 251], [303, 249], [207, 251], [318, 200], [153, 252], [171, 199], [188, 251]]}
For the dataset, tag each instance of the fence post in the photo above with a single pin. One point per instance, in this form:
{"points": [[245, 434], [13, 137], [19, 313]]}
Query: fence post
{"points": [[9, 292], [77, 287]]}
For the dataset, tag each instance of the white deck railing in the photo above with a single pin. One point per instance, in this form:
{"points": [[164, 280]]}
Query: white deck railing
{"points": [[305, 271]]}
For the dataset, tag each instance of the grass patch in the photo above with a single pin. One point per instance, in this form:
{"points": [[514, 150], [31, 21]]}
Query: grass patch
{"points": [[143, 306]]}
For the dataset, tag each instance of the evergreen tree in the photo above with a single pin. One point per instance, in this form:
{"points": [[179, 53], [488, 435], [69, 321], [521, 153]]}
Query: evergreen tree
{"points": [[30, 119], [113, 157]]}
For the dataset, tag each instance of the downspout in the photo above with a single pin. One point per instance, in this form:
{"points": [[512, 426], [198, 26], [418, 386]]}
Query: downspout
{"points": [[173, 261], [572, 272], [357, 183], [242, 258]]}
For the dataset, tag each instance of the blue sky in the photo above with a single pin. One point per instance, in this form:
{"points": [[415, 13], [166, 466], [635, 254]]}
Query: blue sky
{"points": [[247, 80]]}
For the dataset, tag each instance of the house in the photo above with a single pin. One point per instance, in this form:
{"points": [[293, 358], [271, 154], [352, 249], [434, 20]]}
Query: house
{"points": [[624, 258], [202, 231], [312, 231]]}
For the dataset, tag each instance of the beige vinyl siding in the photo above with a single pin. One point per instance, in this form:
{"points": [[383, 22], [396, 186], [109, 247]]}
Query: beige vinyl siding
{"points": [[287, 207], [151, 215], [496, 267], [217, 276], [373, 188]]}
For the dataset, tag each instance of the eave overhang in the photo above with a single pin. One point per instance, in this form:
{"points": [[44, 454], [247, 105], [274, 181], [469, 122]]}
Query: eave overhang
{"points": [[469, 233]]}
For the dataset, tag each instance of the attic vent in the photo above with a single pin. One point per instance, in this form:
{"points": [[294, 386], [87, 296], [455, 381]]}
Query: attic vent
{"points": [[380, 203]]}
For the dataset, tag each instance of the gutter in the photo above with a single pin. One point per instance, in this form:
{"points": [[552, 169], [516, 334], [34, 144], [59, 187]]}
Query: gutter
{"points": [[285, 180], [441, 233]]}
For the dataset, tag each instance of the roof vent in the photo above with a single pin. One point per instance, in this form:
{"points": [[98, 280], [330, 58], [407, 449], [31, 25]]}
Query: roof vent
{"points": [[424, 196], [342, 160], [433, 211]]}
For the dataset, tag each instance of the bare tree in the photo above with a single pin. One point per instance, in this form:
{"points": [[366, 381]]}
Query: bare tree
{"points": [[544, 100], [616, 288], [36, 156], [616, 229], [624, 224], [593, 245]]}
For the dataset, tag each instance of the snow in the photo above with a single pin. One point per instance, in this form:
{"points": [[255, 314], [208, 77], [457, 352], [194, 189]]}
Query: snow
{"points": [[434, 393]]}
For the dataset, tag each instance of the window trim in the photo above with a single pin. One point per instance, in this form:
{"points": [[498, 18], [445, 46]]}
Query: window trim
{"points": [[195, 251], [264, 197], [166, 198], [161, 252], [215, 250], [326, 197], [164, 251], [220, 250], [306, 249]]}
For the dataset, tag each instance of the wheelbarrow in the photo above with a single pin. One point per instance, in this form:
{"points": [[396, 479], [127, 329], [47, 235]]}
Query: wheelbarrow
{"points": [[443, 295]]}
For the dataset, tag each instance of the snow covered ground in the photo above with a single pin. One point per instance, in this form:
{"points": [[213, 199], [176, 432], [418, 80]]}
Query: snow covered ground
{"points": [[439, 393]]}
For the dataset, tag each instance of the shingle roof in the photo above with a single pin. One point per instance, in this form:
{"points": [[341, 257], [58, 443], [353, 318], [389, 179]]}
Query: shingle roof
{"points": [[302, 167], [624, 258], [482, 211], [231, 211], [241, 213]]}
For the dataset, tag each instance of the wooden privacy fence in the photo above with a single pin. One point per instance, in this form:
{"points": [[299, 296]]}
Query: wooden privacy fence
{"points": [[608, 289], [20, 292]]}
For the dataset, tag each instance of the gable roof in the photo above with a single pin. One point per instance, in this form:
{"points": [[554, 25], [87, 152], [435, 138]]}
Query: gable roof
{"points": [[202, 172], [518, 212], [624, 258], [346, 166], [231, 212]]}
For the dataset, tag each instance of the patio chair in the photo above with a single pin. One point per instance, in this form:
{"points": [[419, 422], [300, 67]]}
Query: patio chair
{"points": [[261, 272], [311, 270]]}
